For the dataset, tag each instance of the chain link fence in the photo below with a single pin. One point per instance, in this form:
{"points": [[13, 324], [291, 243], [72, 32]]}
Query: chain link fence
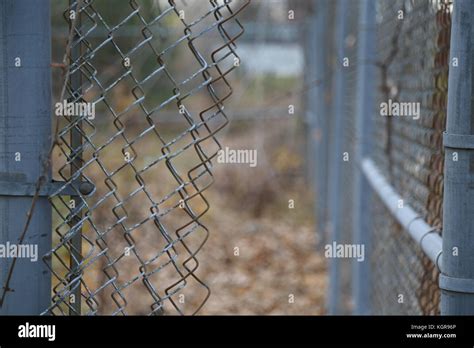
{"points": [[140, 92], [128, 186], [410, 152], [410, 65]]}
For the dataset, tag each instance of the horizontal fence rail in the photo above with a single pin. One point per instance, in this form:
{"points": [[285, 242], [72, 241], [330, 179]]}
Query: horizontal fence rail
{"points": [[422, 233]]}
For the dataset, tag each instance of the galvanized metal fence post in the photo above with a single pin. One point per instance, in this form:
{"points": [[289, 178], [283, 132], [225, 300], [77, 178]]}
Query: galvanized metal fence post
{"points": [[25, 135], [322, 135], [335, 160], [362, 190], [312, 155], [316, 35], [457, 280], [76, 151]]}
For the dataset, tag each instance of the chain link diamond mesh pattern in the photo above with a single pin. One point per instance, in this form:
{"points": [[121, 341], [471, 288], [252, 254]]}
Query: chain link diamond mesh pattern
{"points": [[127, 241], [412, 59]]}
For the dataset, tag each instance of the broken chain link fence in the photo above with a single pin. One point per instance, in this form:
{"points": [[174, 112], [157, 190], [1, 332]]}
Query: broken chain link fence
{"points": [[128, 218]]}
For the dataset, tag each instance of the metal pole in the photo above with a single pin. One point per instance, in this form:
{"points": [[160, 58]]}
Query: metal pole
{"points": [[362, 192], [321, 131], [76, 145], [311, 154], [25, 135], [314, 79], [457, 280], [335, 291]]}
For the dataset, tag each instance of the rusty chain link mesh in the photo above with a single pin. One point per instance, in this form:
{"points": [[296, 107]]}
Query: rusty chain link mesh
{"points": [[127, 241], [412, 58]]}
